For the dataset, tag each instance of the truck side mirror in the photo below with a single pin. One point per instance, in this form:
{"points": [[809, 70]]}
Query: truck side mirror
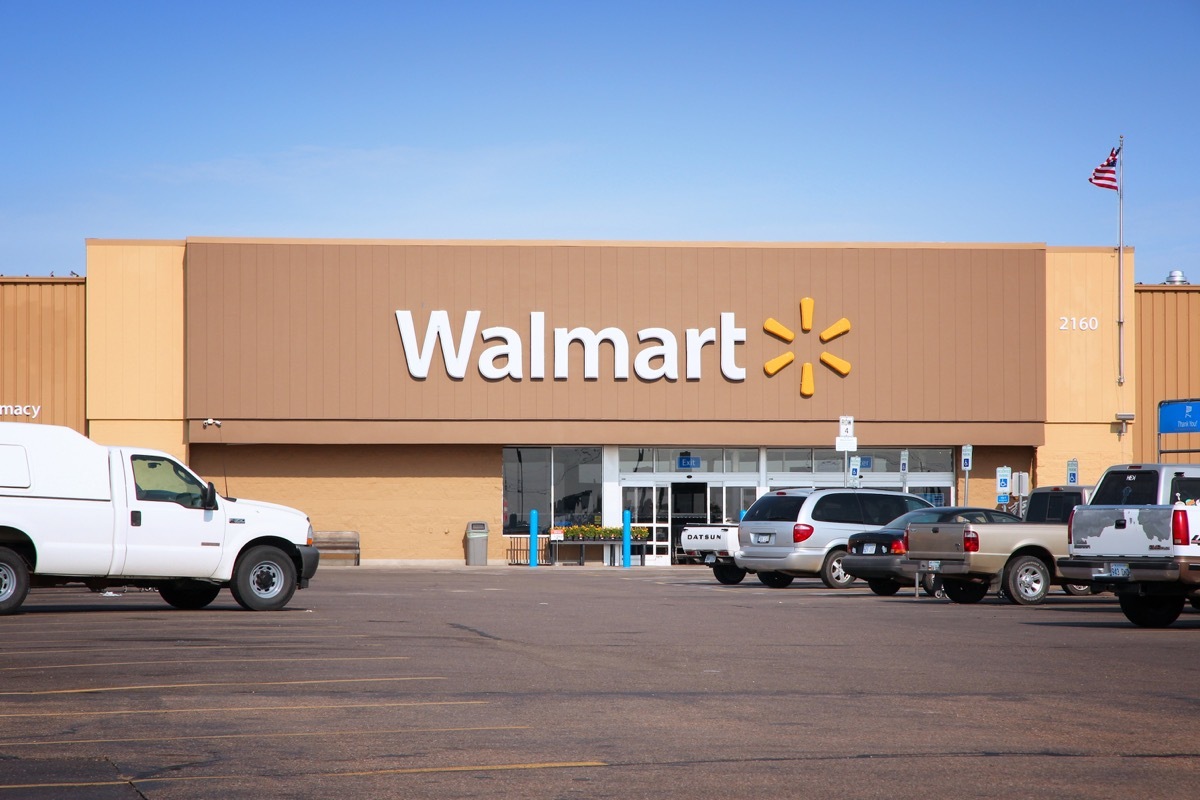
{"points": [[209, 498]]}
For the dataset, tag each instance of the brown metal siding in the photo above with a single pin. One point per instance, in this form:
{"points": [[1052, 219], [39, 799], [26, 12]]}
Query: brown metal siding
{"points": [[1168, 355], [42, 328], [304, 332]]}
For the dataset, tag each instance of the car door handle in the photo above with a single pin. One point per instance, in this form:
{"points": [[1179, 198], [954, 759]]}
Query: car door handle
{"points": [[135, 518]]}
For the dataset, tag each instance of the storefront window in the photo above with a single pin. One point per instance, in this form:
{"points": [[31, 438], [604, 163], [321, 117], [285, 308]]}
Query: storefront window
{"points": [[789, 459], [526, 487], [702, 459], [933, 459], [569, 478], [637, 459], [577, 486], [939, 496], [741, 460], [829, 460]]}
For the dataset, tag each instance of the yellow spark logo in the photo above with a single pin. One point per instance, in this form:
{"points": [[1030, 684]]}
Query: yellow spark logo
{"points": [[785, 334]]}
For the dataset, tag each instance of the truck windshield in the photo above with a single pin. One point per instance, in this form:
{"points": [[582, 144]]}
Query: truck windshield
{"points": [[1127, 488]]}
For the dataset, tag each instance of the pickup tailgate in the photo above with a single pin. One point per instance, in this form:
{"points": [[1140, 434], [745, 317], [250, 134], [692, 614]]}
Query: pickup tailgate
{"points": [[1126, 531], [699, 539], [937, 540]]}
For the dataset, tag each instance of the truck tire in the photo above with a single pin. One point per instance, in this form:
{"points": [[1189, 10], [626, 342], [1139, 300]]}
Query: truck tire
{"points": [[264, 579], [1078, 589], [1026, 580], [1151, 611], [728, 574], [776, 580], [833, 574], [14, 581], [189, 595], [884, 587], [931, 585], [964, 591]]}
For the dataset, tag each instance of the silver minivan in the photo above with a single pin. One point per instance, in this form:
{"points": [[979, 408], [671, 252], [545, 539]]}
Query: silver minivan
{"points": [[793, 533]]}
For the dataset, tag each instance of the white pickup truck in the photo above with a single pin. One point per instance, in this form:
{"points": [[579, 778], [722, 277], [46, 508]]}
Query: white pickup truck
{"points": [[1140, 537], [714, 546], [76, 512]]}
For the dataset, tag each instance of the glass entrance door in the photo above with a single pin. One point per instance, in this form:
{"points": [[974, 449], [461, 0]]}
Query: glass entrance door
{"points": [[649, 508], [688, 507]]}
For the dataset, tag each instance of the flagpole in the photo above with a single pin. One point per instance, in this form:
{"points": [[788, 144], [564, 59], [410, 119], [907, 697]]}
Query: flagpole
{"points": [[1121, 263]]}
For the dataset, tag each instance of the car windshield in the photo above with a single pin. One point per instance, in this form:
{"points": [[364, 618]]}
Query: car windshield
{"points": [[919, 516]]}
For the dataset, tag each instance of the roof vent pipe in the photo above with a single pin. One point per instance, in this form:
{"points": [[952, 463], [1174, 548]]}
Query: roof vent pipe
{"points": [[1176, 278]]}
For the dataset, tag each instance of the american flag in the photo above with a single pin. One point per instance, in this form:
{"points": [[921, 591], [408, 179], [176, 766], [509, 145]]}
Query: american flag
{"points": [[1105, 175]]}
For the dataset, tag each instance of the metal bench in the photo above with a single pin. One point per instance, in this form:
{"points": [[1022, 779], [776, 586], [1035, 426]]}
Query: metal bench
{"points": [[337, 547]]}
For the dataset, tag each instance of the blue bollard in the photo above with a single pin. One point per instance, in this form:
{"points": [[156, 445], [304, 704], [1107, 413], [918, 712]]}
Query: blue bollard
{"points": [[533, 538], [627, 534]]}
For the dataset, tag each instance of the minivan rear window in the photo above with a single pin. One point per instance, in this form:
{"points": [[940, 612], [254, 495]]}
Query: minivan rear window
{"points": [[841, 507], [880, 509], [775, 508]]}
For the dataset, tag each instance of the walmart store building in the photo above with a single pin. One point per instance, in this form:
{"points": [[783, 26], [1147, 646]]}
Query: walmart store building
{"points": [[401, 389]]}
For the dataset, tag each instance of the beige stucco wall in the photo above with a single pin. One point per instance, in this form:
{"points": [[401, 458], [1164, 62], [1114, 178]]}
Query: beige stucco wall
{"points": [[1084, 365], [135, 374], [407, 502]]}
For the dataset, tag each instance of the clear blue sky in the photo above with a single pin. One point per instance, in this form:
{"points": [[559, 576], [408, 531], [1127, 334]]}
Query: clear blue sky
{"points": [[954, 121]]}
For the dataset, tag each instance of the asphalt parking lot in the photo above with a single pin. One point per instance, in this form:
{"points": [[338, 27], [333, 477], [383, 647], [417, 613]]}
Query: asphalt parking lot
{"points": [[564, 682]]}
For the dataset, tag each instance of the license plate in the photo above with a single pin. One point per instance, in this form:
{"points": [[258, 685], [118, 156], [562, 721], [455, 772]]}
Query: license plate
{"points": [[711, 558], [933, 566], [1118, 570], [762, 538], [869, 549]]}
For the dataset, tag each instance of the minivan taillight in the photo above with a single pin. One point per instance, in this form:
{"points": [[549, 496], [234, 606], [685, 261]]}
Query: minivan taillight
{"points": [[1180, 535], [970, 541], [801, 532]]}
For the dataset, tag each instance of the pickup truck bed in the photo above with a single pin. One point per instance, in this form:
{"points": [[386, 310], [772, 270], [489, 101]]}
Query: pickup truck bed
{"points": [[1141, 540], [971, 557]]}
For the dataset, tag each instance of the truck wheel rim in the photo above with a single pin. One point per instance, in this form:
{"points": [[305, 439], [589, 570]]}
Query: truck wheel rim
{"points": [[1029, 582], [8, 582], [266, 580]]}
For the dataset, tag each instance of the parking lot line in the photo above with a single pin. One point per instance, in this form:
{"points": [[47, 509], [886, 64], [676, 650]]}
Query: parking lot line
{"points": [[97, 689], [258, 735], [241, 709], [360, 774], [15, 647], [93, 664]]}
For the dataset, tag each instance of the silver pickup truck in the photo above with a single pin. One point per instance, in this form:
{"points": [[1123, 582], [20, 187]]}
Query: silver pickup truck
{"points": [[1140, 538], [971, 557]]}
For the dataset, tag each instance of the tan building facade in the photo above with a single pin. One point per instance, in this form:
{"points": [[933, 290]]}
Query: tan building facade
{"points": [[402, 389]]}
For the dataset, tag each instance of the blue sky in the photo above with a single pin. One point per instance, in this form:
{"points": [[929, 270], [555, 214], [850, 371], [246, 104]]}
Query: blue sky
{"points": [[750, 121]]}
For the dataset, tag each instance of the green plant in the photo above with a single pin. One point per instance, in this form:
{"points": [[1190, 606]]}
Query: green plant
{"points": [[586, 533]]}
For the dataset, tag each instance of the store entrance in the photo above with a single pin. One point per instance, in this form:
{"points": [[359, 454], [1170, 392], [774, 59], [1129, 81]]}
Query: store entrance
{"points": [[688, 507]]}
